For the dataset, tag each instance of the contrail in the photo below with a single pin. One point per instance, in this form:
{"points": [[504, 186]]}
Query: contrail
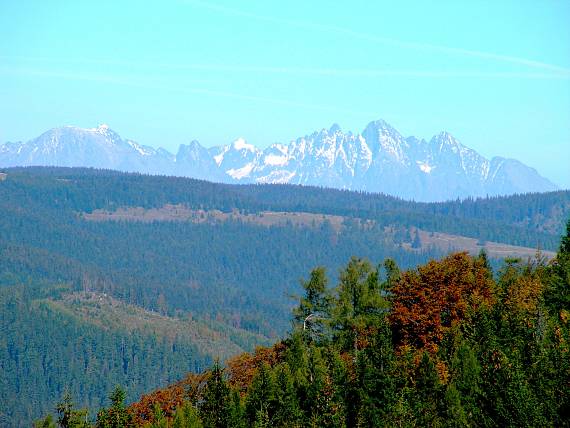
{"points": [[381, 40]]}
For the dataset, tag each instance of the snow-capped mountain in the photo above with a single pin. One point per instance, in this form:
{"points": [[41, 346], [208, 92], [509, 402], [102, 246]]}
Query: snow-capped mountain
{"points": [[379, 159]]}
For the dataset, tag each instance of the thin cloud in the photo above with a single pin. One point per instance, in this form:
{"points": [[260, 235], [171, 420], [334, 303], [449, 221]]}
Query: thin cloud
{"points": [[178, 89], [382, 40], [335, 72]]}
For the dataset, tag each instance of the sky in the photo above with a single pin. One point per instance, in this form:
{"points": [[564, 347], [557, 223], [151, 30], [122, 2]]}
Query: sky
{"points": [[494, 74]]}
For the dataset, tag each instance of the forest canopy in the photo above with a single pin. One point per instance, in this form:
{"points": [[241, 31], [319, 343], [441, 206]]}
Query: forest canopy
{"points": [[448, 343]]}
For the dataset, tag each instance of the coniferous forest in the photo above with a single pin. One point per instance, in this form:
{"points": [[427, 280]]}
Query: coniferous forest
{"points": [[209, 311], [449, 343]]}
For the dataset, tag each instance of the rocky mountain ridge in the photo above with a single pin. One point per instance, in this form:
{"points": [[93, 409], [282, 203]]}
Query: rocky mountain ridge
{"points": [[379, 159]]}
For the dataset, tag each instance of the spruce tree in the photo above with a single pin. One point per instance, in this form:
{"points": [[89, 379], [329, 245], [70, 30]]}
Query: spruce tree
{"points": [[312, 312], [215, 410], [428, 394], [261, 395], [287, 410], [376, 367], [116, 416], [557, 295]]}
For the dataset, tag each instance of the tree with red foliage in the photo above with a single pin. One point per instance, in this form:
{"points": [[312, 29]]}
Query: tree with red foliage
{"points": [[428, 301]]}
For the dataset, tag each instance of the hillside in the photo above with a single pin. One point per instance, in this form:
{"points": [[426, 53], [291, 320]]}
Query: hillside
{"points": [[55, 341], [200, 268], [444, 344]]}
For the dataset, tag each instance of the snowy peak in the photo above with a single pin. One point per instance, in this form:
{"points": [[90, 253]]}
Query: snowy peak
{"points": [[385, 141], [444, 141], [241, 144], [379, 159]]}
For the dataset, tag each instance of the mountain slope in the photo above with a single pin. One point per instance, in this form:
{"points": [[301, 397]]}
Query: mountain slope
{"points": [[145, 301], [86, 343], [379, 159]]}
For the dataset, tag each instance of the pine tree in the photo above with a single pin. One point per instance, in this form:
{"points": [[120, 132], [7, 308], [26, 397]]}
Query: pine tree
{"points": [[417, 243], [287, 410], [116, 416], [392, 274], [297, 358], [467, 383], [358, 303], [215, 410], [261, 394], [376, 367], [312, 312], [428, 394], [68, 417], [322, 409], [557, 295], [237, 411], [46, 422], [565, 241]]}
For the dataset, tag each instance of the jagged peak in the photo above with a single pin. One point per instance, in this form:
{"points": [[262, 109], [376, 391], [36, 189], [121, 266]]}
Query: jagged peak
{"points": [[192, 145], [380, 124], [445, 136], [445, 140], [335, 127], [195, 143]]}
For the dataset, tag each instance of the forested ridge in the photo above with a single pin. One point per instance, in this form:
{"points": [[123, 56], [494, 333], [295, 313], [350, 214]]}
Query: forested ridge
{"points": [[525, 219], [217, 284], [448, 343]]}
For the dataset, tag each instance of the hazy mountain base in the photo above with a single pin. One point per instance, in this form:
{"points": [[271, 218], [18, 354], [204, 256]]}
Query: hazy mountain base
{"points": [[379, 159]]}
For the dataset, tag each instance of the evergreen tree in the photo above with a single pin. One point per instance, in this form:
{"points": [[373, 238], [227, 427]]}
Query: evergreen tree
{"points": [[557, 295], [297, 358], [287, 409], [358, 303], [116, 416], [46, 422], [417, 243], [261, 395], [466, 386], [237, 411], [312, 311], [377, 378], [186, 416], [68, 416], [428, 394], [215, 408], [392, 274], [565, 241]]}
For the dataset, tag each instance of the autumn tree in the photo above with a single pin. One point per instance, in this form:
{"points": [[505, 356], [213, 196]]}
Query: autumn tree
{"points": [[428, 301]]}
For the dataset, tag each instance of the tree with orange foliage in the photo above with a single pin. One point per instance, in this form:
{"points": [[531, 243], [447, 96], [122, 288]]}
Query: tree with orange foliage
{"points": [[428, 301]]}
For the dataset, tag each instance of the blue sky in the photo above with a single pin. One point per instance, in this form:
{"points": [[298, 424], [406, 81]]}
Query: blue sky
{"points": [[494, 74]]}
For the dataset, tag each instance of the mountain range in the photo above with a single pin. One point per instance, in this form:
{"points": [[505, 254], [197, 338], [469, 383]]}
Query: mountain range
{"points": [[379, 159]]}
